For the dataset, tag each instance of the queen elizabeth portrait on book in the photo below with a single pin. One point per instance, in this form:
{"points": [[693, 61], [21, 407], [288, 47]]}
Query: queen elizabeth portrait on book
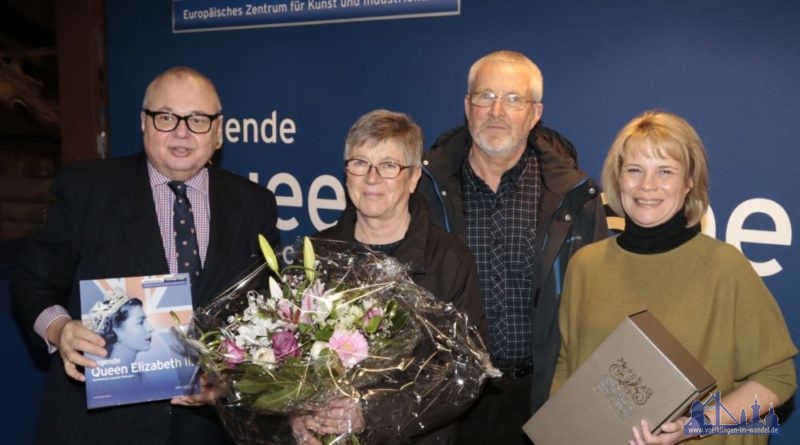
{"points": [[122, 323]]}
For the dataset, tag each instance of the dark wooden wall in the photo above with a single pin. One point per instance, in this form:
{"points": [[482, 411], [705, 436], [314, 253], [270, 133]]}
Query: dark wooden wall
{"points": [[53, 101]]}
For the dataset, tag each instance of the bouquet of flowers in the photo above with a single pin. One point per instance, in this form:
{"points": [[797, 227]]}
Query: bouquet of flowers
{"points": [[347, 323]]}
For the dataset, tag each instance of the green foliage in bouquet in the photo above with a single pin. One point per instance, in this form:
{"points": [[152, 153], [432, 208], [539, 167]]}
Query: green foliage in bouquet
{"points": [[305, 336]]}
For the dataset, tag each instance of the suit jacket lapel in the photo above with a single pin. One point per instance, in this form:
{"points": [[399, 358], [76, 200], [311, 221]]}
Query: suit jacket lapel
{"points": [[138, 218], [225, 230]]}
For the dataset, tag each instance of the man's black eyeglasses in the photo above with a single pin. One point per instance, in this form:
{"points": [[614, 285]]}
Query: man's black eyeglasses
{"points": [[196, 122]]}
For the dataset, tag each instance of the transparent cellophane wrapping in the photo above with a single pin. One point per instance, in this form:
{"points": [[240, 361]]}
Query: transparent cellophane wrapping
{"points": [[417, 379]]}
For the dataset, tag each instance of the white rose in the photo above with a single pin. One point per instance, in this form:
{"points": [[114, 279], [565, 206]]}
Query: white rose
{"points": [[317, 348], [356, 311], [345, 322], [247, 333], [264, 357]]}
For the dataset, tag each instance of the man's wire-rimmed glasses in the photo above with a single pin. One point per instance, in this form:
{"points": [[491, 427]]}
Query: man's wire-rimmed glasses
{"points": [[511, 101]]}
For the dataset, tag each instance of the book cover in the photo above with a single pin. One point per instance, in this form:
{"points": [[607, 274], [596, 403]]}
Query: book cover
{"points": [[146, 359], [640, 371]]}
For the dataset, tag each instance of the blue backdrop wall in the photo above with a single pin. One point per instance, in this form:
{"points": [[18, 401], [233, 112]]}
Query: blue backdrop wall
{"points": [[729, 66]]}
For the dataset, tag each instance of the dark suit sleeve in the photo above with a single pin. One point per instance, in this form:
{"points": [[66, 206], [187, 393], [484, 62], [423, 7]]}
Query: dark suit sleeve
{"points": [[270, 226], [43, 277]]}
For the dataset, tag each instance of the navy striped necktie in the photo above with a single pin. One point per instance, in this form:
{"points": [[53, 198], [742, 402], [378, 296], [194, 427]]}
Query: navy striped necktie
{"points": [[186, 249]]}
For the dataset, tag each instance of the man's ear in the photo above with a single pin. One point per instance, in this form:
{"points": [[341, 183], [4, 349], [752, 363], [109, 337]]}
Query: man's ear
{"points": [[219, 133], [537, 110]]}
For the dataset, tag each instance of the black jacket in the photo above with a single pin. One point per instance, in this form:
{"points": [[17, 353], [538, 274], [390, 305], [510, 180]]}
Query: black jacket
{"points": [[571, 216], [442, 264], [437, 261]]}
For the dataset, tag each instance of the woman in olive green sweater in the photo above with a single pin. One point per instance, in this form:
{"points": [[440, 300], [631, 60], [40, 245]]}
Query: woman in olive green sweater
{"points": [[703, 290]]}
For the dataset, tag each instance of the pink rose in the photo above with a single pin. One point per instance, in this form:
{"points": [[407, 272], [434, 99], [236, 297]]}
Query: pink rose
{"points": [[351, 347], [232, 352], [285, 345]]}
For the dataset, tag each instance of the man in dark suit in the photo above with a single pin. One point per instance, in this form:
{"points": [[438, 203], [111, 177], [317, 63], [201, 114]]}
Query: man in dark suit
{"points": [[114, 218]]}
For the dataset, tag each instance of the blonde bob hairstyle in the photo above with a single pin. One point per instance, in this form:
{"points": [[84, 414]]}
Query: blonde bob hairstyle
{"points": [[661, 135]]}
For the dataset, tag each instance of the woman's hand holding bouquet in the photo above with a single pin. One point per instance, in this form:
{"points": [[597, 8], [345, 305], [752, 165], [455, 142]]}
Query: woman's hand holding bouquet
{"points": [[320, 351]]}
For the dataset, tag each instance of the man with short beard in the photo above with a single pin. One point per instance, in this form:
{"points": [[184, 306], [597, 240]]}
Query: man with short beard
{"points": [[512, 190]]}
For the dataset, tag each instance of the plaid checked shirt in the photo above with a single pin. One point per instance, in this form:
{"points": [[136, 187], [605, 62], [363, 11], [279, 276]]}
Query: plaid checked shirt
{"points": [[501, 232]]}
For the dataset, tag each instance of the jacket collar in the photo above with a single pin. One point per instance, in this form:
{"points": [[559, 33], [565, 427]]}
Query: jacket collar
{"points": [[225, 210], [557, 157], [137, 213], [411, 250]]}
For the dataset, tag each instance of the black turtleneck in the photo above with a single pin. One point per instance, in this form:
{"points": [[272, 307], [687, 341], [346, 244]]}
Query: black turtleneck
{"points": [[658, 239]]}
